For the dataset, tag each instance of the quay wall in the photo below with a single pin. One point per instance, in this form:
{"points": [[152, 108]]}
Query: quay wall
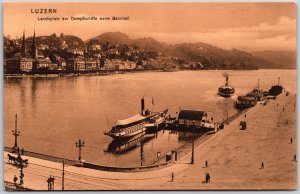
{"points": [[77, 73], [127, 169], [43, 156], [90, 165], [236, 115]]}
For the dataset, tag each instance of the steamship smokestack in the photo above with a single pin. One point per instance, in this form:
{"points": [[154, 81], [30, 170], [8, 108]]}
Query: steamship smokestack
{"points": [[226, 84], [142, 106]]}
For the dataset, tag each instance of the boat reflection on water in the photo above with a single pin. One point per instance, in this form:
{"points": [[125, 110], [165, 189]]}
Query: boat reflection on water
{"points": [[188, 136], [122, 146]]}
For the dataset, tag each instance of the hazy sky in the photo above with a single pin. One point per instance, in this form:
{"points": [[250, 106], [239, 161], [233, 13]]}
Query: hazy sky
{"points": [[245, 26]]}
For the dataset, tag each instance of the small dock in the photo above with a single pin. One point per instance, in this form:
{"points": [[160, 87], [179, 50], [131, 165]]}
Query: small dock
{"points": [[192, 121]]}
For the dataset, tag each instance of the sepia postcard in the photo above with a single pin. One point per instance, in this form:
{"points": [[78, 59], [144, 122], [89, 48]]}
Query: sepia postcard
{"points": [[149, 96]]}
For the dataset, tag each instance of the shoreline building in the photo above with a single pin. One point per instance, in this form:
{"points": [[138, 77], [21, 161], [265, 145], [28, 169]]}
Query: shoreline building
{"points": [[191, 118], [28, 60], [20, 62], [76, 64]]}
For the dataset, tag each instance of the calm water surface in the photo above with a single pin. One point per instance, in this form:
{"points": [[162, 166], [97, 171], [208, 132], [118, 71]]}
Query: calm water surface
{"points": [[53, 113]]}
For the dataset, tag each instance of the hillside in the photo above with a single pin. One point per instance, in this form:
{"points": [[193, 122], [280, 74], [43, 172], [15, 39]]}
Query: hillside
{"points": [[210, 56], [216, 58], [279, 59], [149, 44], [55, 41], [112, 37]]}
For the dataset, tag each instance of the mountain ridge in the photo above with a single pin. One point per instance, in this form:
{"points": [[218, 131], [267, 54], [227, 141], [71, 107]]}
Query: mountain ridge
{"points": [[212, 55]]}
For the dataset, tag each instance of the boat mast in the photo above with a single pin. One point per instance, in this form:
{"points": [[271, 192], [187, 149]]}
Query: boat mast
{"points": [[107, 121]]}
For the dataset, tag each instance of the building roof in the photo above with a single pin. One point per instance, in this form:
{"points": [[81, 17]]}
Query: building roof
{"points": [[246, 98], [129, 120], [191, 114]]}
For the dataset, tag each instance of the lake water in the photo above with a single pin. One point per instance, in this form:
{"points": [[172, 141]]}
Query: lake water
{"points": [[53, 113]]}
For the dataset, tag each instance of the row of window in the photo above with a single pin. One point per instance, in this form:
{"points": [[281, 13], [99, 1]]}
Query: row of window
{"points": [[245, 102], [189, 122], [133, 128]]}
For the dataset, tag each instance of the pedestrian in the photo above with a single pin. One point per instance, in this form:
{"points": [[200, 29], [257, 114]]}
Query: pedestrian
{"points": [[245, 115], [283, 109], [295, 158], [52, 182], [206, 163], [262, 166], [291, 140], [207, 177], [49, 183], [172, 177], [15, 179], [22, 151]]}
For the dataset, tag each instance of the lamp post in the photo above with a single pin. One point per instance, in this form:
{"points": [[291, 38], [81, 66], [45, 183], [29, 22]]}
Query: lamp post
{"points": [[193, 152], [16, 133], [142, 153], [21, 164], [193, 146], [79, 145], [21, 175], [227, 111], [63, 176]]}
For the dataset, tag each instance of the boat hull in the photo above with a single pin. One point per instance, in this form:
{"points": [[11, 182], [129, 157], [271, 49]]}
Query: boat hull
{"points": [[226, 90], [226, 95], [123, 134]]}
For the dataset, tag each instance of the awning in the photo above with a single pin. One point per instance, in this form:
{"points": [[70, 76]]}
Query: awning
{"points": [[132, 119]]}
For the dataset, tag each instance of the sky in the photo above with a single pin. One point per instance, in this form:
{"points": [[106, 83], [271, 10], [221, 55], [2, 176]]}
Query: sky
{"points": [[244, 26]]}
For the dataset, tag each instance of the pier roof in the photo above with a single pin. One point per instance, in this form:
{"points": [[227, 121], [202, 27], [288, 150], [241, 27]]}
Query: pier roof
{"points": [[191, 114]]}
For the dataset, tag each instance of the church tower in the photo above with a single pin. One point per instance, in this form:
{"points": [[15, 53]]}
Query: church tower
{"points": [[23, 47], [33, 47]]}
